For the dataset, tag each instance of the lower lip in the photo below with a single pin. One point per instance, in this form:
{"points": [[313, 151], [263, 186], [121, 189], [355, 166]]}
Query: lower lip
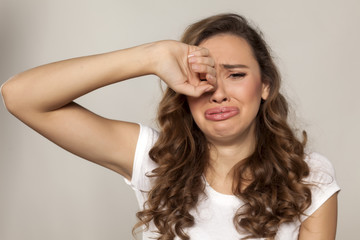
{"points": [[224, 115]]}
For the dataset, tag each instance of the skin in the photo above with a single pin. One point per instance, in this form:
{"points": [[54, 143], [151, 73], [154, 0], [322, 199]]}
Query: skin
{"points": [[238, 86], [49, 108], [321, 225]]}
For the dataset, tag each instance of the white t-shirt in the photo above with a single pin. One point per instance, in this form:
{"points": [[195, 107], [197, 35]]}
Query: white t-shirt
{"points": [[214, 213]]}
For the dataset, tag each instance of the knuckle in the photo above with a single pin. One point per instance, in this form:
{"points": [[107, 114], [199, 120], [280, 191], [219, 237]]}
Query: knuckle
{"points": [[205, 51], [204, 68]]}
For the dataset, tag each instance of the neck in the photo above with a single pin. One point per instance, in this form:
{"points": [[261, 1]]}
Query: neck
{"points": [[226, 153], [223, 158]]}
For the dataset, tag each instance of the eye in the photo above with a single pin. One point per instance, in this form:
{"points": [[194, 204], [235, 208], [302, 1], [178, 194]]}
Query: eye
{"points": [[237, 75]]}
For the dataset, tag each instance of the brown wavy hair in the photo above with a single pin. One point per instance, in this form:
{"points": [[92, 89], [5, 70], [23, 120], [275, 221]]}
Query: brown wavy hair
{"points": [[276, 193]]}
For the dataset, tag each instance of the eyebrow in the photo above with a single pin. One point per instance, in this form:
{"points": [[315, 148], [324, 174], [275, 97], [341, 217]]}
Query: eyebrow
{"points": [[231, 66]]}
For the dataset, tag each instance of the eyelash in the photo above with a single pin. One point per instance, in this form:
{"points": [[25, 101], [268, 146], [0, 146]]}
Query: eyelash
{"points": [[234, 75], [237, 75]]}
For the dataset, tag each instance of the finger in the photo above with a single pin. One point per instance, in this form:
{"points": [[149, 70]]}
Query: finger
{"points": [[211, 79], [198, 51], [205, 69], [201, 89], [194, 91], [207, 80], [197, 79], [199, 73], [203, 65], [202, 60]]}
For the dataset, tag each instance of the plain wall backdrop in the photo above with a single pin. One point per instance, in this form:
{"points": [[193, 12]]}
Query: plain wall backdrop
{"points": [[49, 194]]}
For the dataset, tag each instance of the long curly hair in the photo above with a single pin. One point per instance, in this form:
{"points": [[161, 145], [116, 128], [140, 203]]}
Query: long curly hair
{"points": [[276, 193]]}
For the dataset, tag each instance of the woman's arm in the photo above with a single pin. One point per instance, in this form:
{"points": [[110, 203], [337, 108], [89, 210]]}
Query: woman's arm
{"points": [[321, 225], [43, 98]]}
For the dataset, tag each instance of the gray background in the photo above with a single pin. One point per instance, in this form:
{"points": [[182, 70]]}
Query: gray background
{"points": [[48, 194]]}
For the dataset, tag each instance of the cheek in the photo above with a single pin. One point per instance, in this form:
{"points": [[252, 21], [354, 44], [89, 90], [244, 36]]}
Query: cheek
{"points": [[197, 107], [249, 91], [195, 104]]}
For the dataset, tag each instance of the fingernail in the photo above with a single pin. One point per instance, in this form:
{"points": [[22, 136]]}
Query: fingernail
{"points": [[191, 55], [191, 60]]}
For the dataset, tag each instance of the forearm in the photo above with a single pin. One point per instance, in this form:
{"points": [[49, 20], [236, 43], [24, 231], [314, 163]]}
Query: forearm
{"points": [[54, 85]]}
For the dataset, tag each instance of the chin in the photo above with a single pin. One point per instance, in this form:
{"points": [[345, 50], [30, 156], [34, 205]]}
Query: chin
{"points": [[223, 133], [225, 128], [230, 133]]}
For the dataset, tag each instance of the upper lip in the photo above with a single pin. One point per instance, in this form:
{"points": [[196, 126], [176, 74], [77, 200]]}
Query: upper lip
{"points": [[222, 109]]}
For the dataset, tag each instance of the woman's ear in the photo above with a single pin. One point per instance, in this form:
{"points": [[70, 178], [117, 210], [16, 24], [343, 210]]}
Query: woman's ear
{"points": [[265, 91]]}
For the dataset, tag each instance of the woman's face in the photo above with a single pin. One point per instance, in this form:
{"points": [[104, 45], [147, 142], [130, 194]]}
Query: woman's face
{"points": [[227, 115]]}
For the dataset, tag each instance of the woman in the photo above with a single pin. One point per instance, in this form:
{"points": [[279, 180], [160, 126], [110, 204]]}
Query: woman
{"points": [[225, 163]]}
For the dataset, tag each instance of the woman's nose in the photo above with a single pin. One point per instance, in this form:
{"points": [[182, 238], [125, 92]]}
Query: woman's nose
{"points": [[220, 94]]}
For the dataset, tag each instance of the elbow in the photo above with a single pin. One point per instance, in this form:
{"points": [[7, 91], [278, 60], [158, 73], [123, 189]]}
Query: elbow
{"points": [[4, 94], [9, 96]]}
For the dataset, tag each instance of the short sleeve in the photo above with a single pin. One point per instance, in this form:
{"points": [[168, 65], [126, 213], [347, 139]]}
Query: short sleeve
{"points": [[142, 162], [323, 180]]}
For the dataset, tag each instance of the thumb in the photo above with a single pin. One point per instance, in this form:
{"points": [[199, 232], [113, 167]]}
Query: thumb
{"points": [[201, 89], [193, 91]]}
